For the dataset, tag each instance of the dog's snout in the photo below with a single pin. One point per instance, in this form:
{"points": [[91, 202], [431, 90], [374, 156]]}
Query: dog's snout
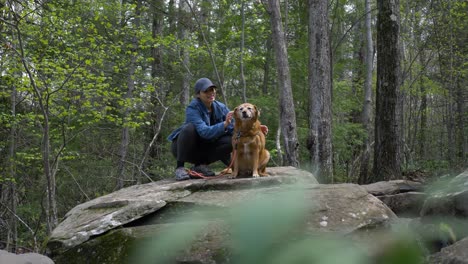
{"points": [[245, 114]]}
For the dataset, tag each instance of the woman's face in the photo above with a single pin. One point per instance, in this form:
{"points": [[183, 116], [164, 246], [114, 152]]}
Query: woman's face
{"points": [[208, 96]]}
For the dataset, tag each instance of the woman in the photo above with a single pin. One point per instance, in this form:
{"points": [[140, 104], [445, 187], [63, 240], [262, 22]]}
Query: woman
{"points": [[205, 137]]}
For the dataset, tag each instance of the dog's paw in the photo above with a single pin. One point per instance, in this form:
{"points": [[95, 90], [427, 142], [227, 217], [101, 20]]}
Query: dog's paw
{"points": [[255, 175], [233, 175], [226, 171]]}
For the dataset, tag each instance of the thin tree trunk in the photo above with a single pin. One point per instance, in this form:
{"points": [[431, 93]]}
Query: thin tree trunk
{"points": [[172, 13], [287, 109], [9, 195], [422, 141], [208, 46], [156, 53], [266, 66], [129, 94], [387, 160], [278, 144], [157, 72], [450, 126], [450, 105], [320, 118], [184, 22], [51, 203], [357, 83], [367, 106], [461, 136], [242, 77]]}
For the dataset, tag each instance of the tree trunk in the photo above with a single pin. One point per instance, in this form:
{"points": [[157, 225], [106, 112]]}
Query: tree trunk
{"points": [[184, 22], [461, 114], [320, 118], [51, 202], [242, 77], [278, 144], [156, 53], [129, 94], [9, 194], [387, 160], [422, 142], [201, 21], [367, 106], [266, 66], [157, 72], [287, 109], [450, 123], [451, 99]]}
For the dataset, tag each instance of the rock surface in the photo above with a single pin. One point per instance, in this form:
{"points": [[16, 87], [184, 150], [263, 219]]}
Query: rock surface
{"points": [[407, 204], [89, 232], [27, 258], [107, 212], [404, 197], [392, 187], [448, 198], [453, 254]]}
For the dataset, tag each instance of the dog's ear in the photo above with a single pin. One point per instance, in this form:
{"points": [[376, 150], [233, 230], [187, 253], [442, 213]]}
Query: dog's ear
{"points": [[257, 113]]}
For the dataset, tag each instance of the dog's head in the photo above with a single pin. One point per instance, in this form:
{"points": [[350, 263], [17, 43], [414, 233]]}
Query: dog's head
{"points": [[245, 112]]}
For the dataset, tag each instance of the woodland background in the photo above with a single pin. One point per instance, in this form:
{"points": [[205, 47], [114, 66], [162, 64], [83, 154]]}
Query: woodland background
{"points": [[90, 89]]}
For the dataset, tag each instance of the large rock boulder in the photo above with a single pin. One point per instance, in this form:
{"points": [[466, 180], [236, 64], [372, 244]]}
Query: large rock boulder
{"points": [[404, 197], [443, 216], [453, 254], [107, 229], [407, 204], [107, 212], [448, 197], [393, 187]]}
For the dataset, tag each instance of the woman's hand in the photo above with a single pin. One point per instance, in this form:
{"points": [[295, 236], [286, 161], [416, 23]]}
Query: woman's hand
{"points": [[264, 129], [228, 118]]}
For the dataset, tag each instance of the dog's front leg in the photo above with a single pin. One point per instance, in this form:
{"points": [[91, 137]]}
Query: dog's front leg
{"points": [[235, 171], [255, 158]]}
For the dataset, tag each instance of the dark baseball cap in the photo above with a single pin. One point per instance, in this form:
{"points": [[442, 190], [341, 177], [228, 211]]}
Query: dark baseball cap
{"points": [[203, 84]]}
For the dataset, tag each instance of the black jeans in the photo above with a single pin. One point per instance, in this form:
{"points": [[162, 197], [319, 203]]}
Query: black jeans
{"points": [[190, 147]]}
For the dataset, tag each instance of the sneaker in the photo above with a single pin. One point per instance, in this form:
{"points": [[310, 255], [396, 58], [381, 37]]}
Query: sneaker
{"points": [[203, 169], [181, 174]]}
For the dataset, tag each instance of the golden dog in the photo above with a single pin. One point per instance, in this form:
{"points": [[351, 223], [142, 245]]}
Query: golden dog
{"points": [[248, 143]]}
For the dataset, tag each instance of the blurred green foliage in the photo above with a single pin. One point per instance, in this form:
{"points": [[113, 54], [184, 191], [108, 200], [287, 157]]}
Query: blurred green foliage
{"points": [[269, 229]]}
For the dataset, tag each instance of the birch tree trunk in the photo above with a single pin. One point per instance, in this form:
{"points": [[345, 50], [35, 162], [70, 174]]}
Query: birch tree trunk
{"points": [[287, 109], [320, 118], [387, 159]]}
